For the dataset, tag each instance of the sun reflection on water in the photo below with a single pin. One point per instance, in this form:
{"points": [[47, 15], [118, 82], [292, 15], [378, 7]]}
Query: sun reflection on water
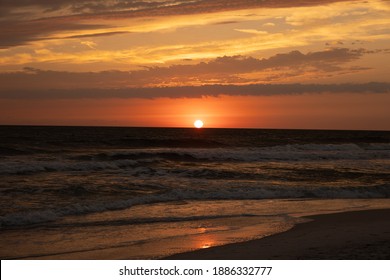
{"points": [[204, 240]]}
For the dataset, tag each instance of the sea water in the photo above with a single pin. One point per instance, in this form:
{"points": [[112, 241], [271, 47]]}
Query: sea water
{"points": [[116, 192]]}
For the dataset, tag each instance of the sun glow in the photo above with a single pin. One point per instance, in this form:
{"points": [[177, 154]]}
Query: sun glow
{"points": [[198, 124]]}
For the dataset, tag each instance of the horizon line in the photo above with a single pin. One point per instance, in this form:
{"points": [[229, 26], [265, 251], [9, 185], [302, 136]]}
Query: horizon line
{"points": [[188, 127]]}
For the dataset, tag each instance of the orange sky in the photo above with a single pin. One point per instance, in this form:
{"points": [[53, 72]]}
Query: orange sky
{"points": [[258, 64]]}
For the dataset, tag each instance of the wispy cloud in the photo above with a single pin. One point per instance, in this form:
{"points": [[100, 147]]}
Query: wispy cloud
{"points": [[27, 21], [224, 70], [89, 44], [252, 31], [166, 7]]}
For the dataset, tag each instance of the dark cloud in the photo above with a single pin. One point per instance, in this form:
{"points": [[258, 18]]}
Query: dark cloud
{"points": [[204, 6], [227, 69], [40, 79], [79, 6], [24, 31], [225, 22], [220, 76], [170, 8], [14, 30], [99, 34], [14, 33], [198, 91]]}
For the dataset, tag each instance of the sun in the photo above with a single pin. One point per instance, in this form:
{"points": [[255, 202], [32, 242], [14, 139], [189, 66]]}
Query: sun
{"points": [[198, 124]]}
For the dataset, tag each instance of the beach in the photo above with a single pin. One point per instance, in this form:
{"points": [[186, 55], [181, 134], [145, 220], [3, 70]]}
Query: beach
{"points": [[348, 235]]}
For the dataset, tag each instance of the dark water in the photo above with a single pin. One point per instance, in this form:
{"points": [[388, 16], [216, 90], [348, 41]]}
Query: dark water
{"points": [[48, 173], [80, 190]]}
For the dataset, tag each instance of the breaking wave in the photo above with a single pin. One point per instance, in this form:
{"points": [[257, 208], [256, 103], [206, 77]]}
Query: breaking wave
{"points": [[124, 159]]}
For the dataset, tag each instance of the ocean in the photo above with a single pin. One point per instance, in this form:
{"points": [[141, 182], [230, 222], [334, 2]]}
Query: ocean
{"points": [[146, 193]]}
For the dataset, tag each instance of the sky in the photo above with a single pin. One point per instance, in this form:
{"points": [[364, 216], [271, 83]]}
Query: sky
{"points": [[318, 64]]}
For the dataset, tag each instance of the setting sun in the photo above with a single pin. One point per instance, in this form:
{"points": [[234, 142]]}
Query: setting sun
{"points": [[198, 124]]}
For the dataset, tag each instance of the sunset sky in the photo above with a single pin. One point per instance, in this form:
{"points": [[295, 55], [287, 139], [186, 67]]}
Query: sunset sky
{"points": [[322, 64]]}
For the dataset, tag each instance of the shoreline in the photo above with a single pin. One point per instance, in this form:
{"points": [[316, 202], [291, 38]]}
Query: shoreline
{"points": [[363, 234], [360, 234]]}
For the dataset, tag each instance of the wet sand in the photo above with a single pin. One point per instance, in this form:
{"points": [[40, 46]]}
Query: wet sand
{"points": [[348, 235]]}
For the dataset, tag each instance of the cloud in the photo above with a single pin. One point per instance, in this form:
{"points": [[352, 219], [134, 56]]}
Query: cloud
{"points": [[226, 22], [89, 44], [223, 70], [13, 33], [79, 6], [171, 6], [24, 21], [229, 69], [97, 34], [221, 76], [199, 91], [252, 31]]}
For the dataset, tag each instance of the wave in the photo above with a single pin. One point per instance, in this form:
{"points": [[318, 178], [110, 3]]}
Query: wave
{"points": [[28, 167], [173, 155], [124, 159], [222, 193], [7, 151], [171, 143], [285, 152]]}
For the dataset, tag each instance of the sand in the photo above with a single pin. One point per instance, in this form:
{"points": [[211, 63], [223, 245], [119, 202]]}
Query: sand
{"points": [[348, 235]]}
